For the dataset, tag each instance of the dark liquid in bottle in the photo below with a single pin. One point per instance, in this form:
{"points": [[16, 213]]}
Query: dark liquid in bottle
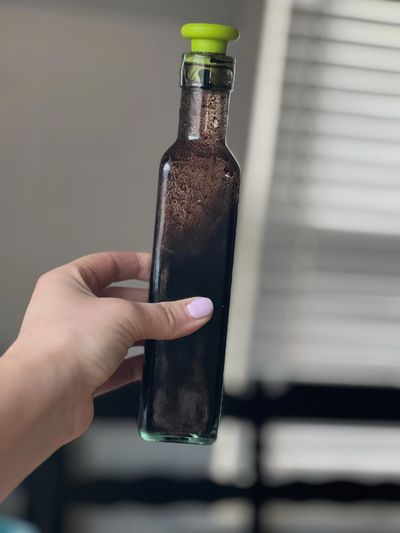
{"points": [[193, 255]]}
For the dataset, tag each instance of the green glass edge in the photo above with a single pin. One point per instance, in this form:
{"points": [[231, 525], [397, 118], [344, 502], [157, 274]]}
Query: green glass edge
{"points": [[184, 439]]}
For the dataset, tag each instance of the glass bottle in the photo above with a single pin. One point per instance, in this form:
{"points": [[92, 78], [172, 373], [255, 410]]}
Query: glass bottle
{"points": [[193, 247]]}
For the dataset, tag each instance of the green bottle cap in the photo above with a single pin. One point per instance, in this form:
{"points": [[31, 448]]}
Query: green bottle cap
{"points": [[209, 38]]}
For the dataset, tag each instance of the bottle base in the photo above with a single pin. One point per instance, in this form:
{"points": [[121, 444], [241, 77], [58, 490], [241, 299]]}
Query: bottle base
{"points": [[202, 440]]}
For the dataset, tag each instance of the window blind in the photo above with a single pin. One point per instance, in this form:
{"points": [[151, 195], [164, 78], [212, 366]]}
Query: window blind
{"points": [[329, 299]]}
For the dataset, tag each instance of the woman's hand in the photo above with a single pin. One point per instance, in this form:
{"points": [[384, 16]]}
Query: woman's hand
{"points": [[87, 327], [72, 345]]}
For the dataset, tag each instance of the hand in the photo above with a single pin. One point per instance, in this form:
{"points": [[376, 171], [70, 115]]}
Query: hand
{"points": [[71, 346], [79, 329]]}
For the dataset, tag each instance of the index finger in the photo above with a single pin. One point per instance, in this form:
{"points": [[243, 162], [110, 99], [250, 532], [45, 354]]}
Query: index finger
{"points": [[97, 271]]}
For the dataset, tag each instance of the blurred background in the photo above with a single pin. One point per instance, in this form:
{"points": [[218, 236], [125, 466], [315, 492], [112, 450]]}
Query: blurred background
{"points": [[310, 435]]}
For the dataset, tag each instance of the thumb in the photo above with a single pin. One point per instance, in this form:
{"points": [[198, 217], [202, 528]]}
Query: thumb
{"points": [[169, 320]]}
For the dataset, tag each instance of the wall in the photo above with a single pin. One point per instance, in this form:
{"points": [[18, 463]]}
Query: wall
{"points": [[88, 102]]}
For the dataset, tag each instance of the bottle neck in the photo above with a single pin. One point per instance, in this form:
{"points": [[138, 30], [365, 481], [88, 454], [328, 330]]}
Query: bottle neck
{"points": [[206, 80], [203, 115]]}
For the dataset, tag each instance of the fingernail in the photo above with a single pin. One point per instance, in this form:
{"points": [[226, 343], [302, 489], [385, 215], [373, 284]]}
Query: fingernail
{"points": [[200, 308]]}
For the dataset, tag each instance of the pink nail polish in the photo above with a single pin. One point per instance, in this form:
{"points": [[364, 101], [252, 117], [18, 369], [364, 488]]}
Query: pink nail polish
{"points": [[200, 308]]}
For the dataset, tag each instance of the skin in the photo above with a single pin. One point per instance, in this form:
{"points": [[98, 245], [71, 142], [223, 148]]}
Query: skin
{"points": [[72, 346]]}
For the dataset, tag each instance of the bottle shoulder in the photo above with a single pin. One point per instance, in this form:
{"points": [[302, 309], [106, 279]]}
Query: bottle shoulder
{"points": [[195, 155]]}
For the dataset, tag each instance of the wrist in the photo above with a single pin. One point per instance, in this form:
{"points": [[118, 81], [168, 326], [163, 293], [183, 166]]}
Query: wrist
{"points": [[36, 417], [50, 392]]}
